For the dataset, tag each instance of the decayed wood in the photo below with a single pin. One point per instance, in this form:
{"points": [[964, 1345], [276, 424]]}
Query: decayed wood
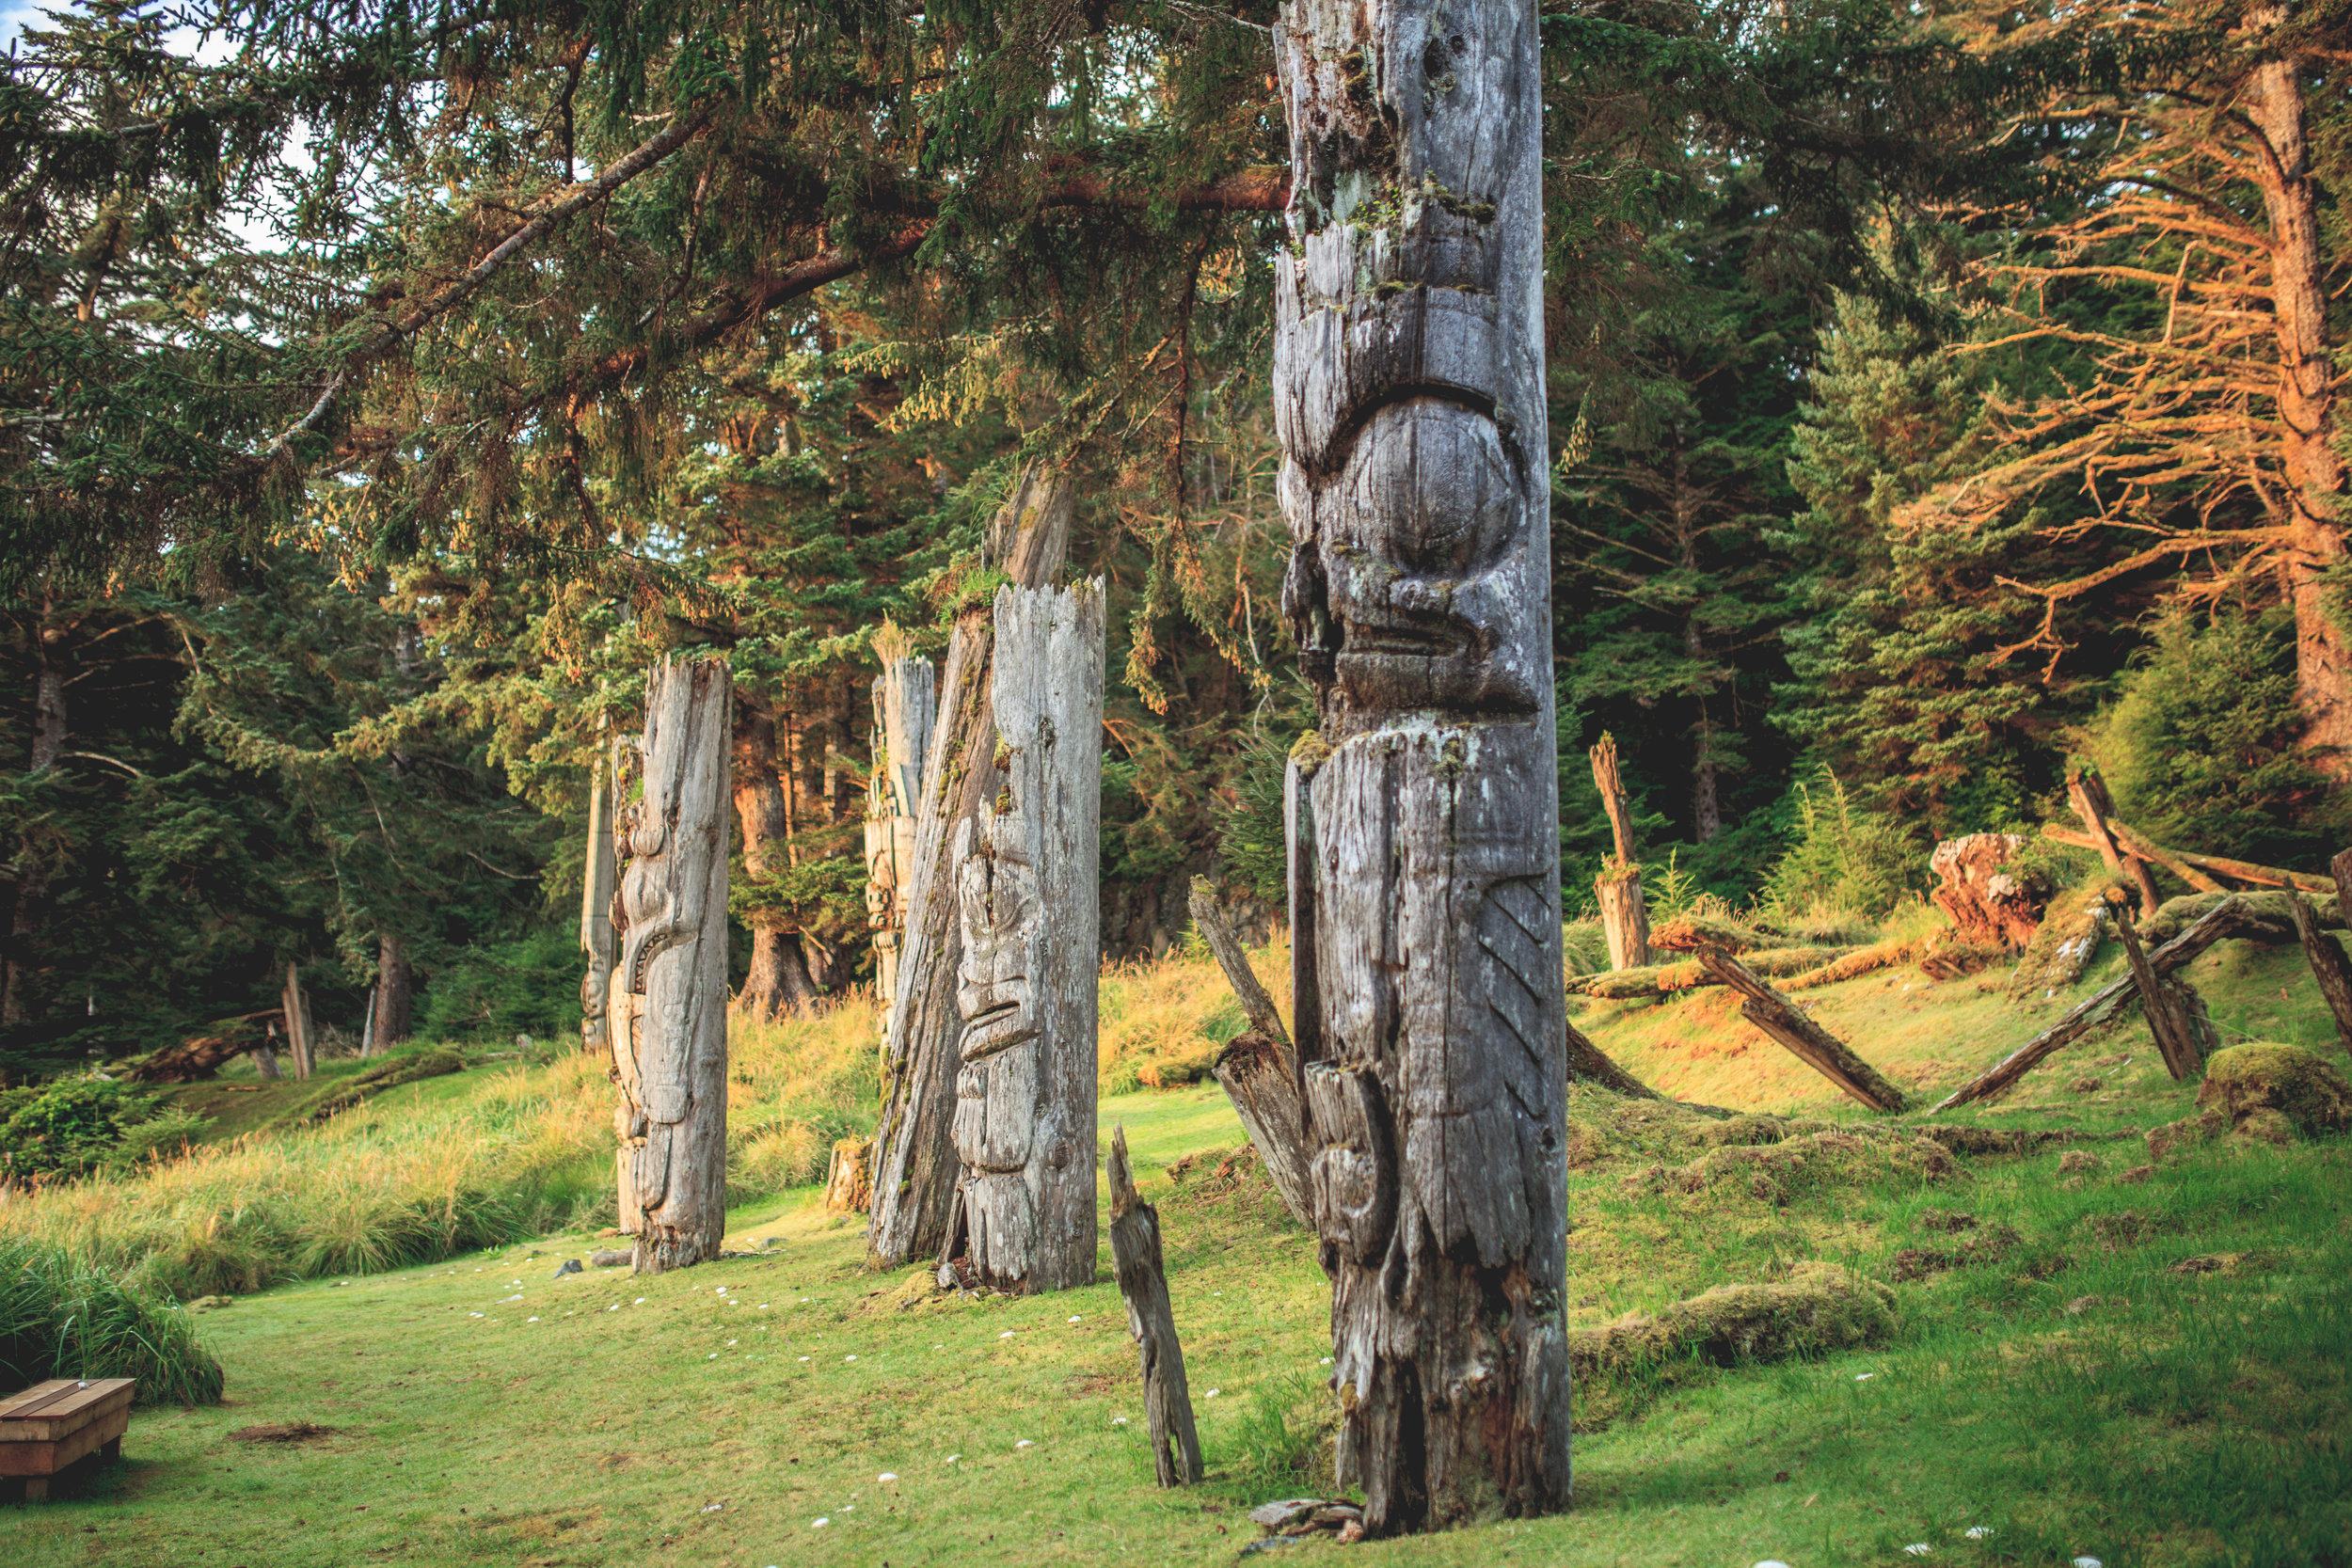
{"points": [[915, 1169], [668, 1011], [1027, 880], [2339, 874], [1587, 1064], [1257, 1068], [597, 883], [2330, 967], [1143, 1281], [2087, 793], [198, 1056], [1624, 916], [2175, 1013], [2221, 921], [1987, 902], [265, 1061], [296, 1007], [905, 708], [848, 1181], [1787, 1022], [2191, 862], [1408, 396]]}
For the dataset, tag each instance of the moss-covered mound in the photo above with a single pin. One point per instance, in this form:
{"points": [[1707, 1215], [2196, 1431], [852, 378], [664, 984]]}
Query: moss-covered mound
{"points": [[1818, 1307], [2273, 1085], [341, 1094]]}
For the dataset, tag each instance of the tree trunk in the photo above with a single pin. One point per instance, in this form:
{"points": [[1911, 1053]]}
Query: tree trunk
{"points": [[906, 703], [266, 1064], [1624, 916], [50, 732], [2330, 967], [915, 1170], [1143, 1281], [1257, 1068], [849, 1176], [669, 1013], [297, 1007], [1421, 817], [598, 880], [387, 1019], [777, 984], [2176, 1015], [1027, 871], [2314, 471]]}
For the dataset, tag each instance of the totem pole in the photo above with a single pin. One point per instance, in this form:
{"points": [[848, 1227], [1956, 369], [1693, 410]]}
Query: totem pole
{"points": [[667, 1013], [903, 711], [1026, 893], [596, 911], [1421, 816]]}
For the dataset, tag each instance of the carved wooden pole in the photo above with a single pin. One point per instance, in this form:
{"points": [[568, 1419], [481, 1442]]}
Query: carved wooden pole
{"points": [[1624, 918], [916, 1169], [668, 1009], [905, 709], [1143, 1281], [1027, 887], [1422, 814], [597, 882]]}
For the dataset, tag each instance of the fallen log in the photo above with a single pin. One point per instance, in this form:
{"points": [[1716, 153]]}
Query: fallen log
{"points": [[2330, 967], [2176, 1015], [1856, 963], [1143, 1281], [2223, 920], [1784, 1021], [1258, 1069], [2062, 949], [2088, 791], [199, 1056], [1988, 904], [2244, 871], [1688, 973]]}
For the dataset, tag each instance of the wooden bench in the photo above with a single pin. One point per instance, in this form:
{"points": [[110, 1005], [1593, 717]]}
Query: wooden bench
{"points": [[52, 1424]]}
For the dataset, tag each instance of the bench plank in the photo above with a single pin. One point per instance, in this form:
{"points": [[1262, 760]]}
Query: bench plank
{"points": [[49, 1413]]}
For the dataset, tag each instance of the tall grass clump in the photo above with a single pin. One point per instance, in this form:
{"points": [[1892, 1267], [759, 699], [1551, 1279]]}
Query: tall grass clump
{"points": [[61, 1318], [1163, 1021], [797, 1086]]}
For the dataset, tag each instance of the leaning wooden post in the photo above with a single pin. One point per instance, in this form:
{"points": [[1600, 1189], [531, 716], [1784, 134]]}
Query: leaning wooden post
{"points": [[669, 995], [297, 1022], [905, 703], [1257, 1068], [1422, 813], [1028, 875], [1624, 918], [597, 882], [2088, 793], [2176, 1015], [1784, 1021], [916, 1169], [1143, 1281], [2329, 966]]}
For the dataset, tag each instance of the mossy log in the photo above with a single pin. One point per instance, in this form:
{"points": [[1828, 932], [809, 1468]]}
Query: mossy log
{"points": [[1690, 974]]}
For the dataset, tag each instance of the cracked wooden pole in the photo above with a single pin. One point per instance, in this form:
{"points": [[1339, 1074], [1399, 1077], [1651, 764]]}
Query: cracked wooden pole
{"points": [[1257, 1068], [905, 707], [1624, 917], [2329, 966], [297, 1022], [1422, 813], [1027, 880], [1787, 1022], [915, 1169], [1143, 1281], [2184, 1034], [2088, 791], [667, 1017], [598, 880]]}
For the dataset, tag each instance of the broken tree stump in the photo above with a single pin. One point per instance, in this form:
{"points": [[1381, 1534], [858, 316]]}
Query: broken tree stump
{"points": [[2222, 919], [1787, 1022], [1257, 1068], [2176, 1015], [1143, 1281], [1027, 881], [2329, 966], [667, 1016], [2087, 792], [1624, 917], [1988, 904], [849, 1176], [297, 1010]]}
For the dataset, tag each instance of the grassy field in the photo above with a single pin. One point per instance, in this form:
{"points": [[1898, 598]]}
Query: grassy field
{"points": [[2147, 1368]]}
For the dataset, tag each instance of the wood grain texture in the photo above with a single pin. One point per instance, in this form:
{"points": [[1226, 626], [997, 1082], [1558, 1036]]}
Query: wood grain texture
{"points": [[905, 708], [1427, 1005], [2330, 967], [667, 1003], [1787, 1022], [916, 1169], [1143, 1283], [1028, 879], [599, 880], [2224, 919]]}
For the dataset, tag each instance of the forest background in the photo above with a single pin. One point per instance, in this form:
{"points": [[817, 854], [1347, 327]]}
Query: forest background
{"points": [[1941, 396]]}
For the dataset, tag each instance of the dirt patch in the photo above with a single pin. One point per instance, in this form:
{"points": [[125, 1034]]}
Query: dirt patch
{"points": [[283, 1432]]}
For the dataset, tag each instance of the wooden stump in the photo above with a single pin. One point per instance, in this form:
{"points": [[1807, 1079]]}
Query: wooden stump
{"points": [[1257, 1068], [2184, 1035], [916, 1171], [1624, 916], [1990, 905], [848, 1178], [1027, 880], [598, 881], [668, 1018], [2330, 967], [266, 1064], [1787, 1022], [1143, 1281]]}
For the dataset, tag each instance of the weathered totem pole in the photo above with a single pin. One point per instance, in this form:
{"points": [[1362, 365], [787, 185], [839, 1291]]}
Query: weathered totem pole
{"points": [[1425, 874], [904, 708], [596, 911], [667, 1009], [1028, 904], [917, 1173]]}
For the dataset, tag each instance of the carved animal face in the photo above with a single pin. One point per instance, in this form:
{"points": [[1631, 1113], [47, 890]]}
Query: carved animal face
{"points": [[1004, 933]]}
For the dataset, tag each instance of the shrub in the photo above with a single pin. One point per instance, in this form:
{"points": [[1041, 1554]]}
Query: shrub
{"points": [[497, 990], [1846, 858], [73, 1125], [59, 1318]]}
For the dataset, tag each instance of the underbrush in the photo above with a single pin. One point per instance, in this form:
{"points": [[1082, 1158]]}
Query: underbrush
{"points": [[59, 1318]]}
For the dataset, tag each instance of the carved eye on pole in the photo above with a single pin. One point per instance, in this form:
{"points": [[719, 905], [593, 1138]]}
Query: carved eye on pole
{"points": [[646, 839], [1354, 1171]]}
